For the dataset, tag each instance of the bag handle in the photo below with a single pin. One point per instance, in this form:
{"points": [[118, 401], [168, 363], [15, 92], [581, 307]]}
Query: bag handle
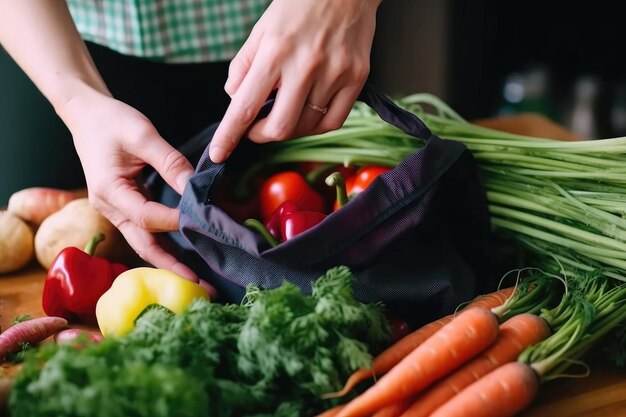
{"points": [[388, 111]]}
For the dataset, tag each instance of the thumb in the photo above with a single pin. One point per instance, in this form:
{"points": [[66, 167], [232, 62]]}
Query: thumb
{"points": [[172, 165]]}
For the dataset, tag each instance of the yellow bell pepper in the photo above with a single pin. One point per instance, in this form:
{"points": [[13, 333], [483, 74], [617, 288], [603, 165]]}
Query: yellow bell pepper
{"points": [[135, 289]]}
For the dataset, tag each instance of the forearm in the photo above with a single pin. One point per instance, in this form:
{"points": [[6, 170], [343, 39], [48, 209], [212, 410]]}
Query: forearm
{"points": [[41, 37]]}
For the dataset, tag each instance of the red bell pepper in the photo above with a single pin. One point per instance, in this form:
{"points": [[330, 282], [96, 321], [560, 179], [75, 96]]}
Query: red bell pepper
{"points": [[294, 223], [76, 280], [288, 186], [354, 184], [275, 223], [287, 222]]}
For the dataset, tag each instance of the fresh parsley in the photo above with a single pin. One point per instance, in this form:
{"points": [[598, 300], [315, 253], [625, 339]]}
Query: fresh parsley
{"points": [[272, 355]]}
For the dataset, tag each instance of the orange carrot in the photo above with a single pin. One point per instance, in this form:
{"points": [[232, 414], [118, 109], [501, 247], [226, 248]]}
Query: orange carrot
{"points": [[392, 356], [515, 335], [332, 412], [468, 334], [501, 393], [493, 299], [399, 350], [395, 409]]}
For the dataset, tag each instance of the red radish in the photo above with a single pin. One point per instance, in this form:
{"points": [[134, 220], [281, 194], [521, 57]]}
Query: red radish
{"points": [[36, 203], [31, 331], [70, 335]]}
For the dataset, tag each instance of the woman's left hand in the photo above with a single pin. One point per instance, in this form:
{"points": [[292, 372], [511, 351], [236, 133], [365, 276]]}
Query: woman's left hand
{"points": [[316, 53]]}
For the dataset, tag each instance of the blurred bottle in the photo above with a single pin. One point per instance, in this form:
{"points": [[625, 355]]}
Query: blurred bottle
{"points": [[618, 110], [528, 92], [513, 93], [583, 114], [537, 99]]}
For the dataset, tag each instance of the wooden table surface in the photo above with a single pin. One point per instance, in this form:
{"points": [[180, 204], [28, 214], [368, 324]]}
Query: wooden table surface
{"points": [[601, 394]]}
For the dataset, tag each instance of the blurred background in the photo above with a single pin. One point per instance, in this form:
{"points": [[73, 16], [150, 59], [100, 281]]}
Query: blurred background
{"points": [[484, 57], [490, 57]]}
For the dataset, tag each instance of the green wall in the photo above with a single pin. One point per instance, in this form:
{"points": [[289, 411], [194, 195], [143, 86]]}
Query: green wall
{"points": [[35, 147]]}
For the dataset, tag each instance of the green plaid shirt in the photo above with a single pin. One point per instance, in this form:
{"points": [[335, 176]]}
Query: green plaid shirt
{"points": [[168, 30]]}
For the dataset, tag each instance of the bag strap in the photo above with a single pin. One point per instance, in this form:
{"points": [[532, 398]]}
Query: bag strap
{"points": [[388, 111]]}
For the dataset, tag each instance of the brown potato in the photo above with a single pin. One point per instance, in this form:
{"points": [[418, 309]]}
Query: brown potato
{"points": [[34, 204], [74, 225], [16, 243]]}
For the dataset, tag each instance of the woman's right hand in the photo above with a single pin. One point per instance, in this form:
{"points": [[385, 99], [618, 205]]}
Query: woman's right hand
{"points": [[115, 142]]}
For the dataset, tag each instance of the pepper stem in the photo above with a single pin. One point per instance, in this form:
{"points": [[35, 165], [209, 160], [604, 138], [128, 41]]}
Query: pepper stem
{"points": [[314, 174], [90, 249], [257, 226], [154, 306], [336, 180]]}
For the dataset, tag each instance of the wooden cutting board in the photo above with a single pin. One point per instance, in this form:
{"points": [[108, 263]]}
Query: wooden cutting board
{"points": [[601, 394]]}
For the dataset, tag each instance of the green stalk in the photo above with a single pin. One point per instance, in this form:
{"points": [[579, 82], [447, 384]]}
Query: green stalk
{"points": [[554, 259], [553, 365], [601, 244], [258, 227], [315, 173], [617, 145], [602, 255], [531, 161], [533, 293], [90, 248], [336, 180], [589, 218], [600, 175], [525, 201]]}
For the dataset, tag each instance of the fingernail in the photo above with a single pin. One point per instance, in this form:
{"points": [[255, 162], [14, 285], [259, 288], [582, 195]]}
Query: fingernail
{"points": [[217, 154]]}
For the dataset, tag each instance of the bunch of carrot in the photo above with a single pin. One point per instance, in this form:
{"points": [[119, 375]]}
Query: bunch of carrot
{"points": [[490, 359], [467, 364]]}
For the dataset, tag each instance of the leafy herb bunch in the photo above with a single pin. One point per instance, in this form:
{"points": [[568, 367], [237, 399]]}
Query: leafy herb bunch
{"points": [[273, 354]]}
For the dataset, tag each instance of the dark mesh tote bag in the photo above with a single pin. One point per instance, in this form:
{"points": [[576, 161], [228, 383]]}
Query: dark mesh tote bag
{"points": [[417, 239]]}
